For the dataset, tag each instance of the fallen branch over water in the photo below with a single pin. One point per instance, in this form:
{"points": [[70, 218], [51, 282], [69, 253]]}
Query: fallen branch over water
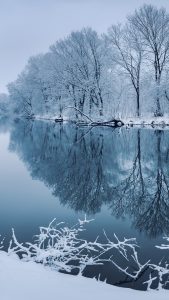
{"points": [[111, 123]]}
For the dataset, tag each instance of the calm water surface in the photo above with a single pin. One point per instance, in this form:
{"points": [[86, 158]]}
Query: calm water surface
{"points": [[119, 177]]}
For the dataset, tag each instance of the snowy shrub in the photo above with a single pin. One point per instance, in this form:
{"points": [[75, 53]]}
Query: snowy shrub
{"points": [[62, 249]]}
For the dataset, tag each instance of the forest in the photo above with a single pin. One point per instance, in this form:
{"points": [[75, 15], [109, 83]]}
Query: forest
{"points": [[122, 73]]}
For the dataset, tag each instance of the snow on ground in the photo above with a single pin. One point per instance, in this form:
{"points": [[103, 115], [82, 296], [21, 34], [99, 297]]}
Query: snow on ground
{"points": [[147, 120], [30, 281]]}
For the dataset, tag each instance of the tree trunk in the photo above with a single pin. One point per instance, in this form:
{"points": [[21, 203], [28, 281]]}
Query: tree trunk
{"points": [[138, 102], [75, 102], [101, 104], [158, 112]]}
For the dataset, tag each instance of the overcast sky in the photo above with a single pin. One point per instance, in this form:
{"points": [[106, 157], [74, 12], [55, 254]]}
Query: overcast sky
{"points": [[28, 27]]}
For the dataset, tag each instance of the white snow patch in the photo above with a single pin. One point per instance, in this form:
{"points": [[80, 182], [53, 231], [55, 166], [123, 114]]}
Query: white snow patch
{"points": [[147, 120], [30, 281]]}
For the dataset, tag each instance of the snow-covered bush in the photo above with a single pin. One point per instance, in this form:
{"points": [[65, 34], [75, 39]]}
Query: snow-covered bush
{"points": [[62, 249]]}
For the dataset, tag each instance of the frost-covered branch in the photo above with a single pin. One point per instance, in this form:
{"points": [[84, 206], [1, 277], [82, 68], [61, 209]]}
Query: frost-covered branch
{"points": [[63, 249]]}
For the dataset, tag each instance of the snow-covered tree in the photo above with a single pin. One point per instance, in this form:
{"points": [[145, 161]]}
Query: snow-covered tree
{"points": [[100, 76], [82, 69], [152, 25], [127, 53]]}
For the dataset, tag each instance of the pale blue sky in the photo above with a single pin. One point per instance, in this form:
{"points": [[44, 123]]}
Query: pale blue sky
{"points": [[28, 27]]}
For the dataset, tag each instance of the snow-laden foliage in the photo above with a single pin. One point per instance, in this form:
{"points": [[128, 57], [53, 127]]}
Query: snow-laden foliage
{"points": [[164, 246], [122, 73], [62, 249]]}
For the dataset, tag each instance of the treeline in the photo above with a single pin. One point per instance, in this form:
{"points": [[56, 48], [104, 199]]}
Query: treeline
{"points": [[121, 73]]}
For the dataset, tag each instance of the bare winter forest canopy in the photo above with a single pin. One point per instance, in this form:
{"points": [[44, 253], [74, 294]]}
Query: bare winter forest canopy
{"points": [[123, 73]]}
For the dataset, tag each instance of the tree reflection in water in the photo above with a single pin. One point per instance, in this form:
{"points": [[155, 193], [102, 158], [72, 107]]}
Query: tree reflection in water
{"points": [[125, 169]]}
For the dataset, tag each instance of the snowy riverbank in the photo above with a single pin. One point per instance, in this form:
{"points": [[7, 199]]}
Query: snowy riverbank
{"points": [[28, 280], [147, 121]]}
